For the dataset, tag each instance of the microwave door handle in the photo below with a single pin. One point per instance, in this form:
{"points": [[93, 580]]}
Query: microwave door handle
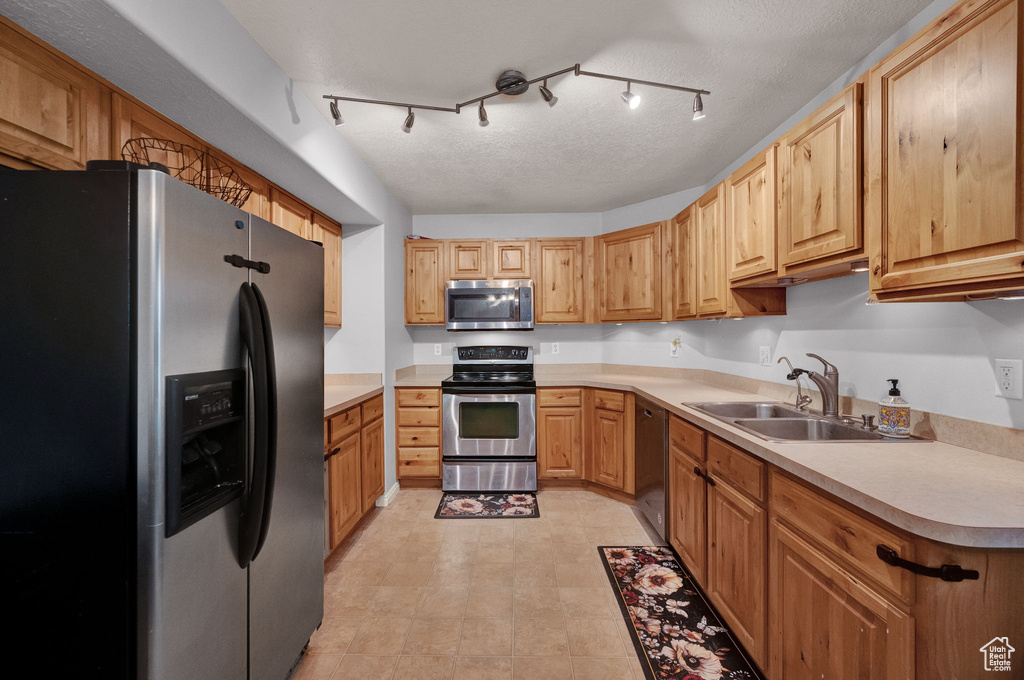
{"points": [[516, 299]]}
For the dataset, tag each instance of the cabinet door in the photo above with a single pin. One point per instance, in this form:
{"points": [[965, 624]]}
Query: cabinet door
{"points": [[467, 259], [945, 170], [132, 121], [424, 281], [751, 239], [687, 512], [510, 259], [372, 463], [290, 213], [828, 624], [712, 280], [560, 443], [346, 499], [608, 452], [558, 297], [820, 194], [328, 232], [682, 265], [737, 565], [629, 274], [52, 114]]}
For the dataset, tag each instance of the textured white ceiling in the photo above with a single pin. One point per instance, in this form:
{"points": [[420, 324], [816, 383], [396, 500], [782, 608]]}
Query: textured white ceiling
{"points": [[761, 59]]}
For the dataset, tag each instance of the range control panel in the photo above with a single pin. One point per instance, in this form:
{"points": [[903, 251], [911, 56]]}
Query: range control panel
{"points": [[493, 354]]}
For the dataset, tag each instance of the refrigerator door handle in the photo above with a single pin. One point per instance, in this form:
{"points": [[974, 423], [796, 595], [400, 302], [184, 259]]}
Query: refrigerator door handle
{"points": [[251, 326], [271, 409]]}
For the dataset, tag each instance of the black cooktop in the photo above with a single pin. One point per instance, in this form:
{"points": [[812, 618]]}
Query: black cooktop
{"points": [[496, 379]]}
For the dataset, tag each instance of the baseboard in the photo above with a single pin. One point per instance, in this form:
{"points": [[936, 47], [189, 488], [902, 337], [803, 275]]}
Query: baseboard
{"points": [[389, 496], [600, 489], [421, 483]]}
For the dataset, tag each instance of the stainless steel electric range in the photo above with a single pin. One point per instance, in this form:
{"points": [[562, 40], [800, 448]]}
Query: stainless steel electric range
{"points": [[489, 420]]}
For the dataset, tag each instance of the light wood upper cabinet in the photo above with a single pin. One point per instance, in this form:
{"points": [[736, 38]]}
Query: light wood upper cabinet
{"points": [[945, 148], [258, 202], [52, 114], [751, 234], [511, 259], [826, 623], [820, 162], [628, 264], [712, 278], [468, 259], [291, 214], [328, 232], [559, 290], [132, 121], [424, 281], [681, 266]]}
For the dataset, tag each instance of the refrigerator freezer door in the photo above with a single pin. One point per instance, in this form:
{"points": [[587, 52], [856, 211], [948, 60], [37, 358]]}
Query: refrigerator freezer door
{"points": [[286, 576], [191, 591]]}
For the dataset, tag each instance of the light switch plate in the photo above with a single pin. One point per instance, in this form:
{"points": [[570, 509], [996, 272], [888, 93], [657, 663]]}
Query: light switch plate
{"points": [[1010, 378], [764, 355]]}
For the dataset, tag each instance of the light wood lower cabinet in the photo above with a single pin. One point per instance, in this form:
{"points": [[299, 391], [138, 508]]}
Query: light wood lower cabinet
{"points": [[344, 482], [826, 623], [418, 433], [687, 524], [560, 427], [372, 447], [609, 458]]}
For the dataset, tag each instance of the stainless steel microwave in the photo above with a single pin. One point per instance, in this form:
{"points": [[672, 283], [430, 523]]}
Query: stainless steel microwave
{"points": [[489, 305]]}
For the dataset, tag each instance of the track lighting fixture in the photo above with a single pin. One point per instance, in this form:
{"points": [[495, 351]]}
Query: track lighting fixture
{"points": [[629, 97], [546, 94], [512, 83], [336, 115], [698, 107]]}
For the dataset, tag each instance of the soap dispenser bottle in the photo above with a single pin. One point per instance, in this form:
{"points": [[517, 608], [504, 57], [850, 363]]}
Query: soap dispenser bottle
{"points": [[894, 413]]}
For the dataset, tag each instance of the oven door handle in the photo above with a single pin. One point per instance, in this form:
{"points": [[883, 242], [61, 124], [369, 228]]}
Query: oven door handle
{"points": [[484, 390]]}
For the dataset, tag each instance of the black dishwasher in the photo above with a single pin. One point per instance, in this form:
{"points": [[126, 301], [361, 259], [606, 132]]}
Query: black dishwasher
{"points": [[651, 463]]}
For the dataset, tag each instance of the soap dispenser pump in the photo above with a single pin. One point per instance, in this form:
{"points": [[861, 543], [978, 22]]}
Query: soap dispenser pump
{"points": [[894, 413]]}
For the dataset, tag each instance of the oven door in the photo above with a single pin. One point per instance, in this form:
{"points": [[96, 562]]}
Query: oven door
{"points": [[489, 425]]}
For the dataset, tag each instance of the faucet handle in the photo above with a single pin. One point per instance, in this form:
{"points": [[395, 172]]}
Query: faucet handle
{"points": [[829, 368]]}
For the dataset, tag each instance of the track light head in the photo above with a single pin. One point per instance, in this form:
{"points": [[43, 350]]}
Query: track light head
{"points": [[336, 114], [483, 115], [409, 121], [633, 100], [698, 107], [546, 93]]}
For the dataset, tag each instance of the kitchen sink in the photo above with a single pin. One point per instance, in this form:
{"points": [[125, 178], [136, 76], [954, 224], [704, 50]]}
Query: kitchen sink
{"points": [[747, 409], [777, 422]]}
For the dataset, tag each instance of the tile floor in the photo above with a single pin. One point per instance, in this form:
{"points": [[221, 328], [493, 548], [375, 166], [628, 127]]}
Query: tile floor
{"points": [[410, 597]]}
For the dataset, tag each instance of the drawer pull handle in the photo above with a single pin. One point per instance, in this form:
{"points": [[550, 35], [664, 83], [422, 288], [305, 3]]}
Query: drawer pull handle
{"points": [[334, 451], [947, 572], [707, 478]]}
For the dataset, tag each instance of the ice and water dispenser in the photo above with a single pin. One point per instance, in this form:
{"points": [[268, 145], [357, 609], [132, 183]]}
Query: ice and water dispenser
{"points": [[206, 451]]}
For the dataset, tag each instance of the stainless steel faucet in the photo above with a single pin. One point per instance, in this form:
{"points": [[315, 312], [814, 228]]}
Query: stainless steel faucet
{"points": [[828, 385], [802, 400]]}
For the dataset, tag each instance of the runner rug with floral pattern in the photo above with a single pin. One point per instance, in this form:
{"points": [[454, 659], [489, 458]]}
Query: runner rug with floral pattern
{"points": [[487, 506], [676, 632]]}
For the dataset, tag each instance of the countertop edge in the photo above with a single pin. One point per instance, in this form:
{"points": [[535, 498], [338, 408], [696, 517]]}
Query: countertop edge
{"points": [[351, 395]]}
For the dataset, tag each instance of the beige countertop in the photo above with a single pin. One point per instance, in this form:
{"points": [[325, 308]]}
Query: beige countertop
{"points": [[936, 490], [337, 398]]}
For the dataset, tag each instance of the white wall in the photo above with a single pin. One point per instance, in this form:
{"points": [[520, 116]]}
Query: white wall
{"points": [[524, 225]]}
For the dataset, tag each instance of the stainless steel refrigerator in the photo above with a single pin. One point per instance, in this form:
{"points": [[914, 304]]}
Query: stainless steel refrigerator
{"points": [[161, 480]]}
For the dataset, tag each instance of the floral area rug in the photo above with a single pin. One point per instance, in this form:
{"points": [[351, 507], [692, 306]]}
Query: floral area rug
{"points": [[487, 506], [676, 632]]}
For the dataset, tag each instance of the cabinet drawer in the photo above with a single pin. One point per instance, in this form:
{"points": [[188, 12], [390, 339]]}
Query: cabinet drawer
{"points": [[373, 408], [685, 437], [419, 436], [559, 396], [610, 401], [327, 434], [740, 469], [344, 424], [419, 417], [419, 462], [848, 536], [415, 397]]}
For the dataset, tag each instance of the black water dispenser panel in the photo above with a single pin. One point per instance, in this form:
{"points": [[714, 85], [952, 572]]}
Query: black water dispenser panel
{"points": [[206, 451]]}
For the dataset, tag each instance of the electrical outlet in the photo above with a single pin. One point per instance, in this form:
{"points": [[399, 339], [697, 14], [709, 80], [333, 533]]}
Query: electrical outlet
{"points": [[554, 348], [764, 355], [437, 349], [1010, 378]]}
